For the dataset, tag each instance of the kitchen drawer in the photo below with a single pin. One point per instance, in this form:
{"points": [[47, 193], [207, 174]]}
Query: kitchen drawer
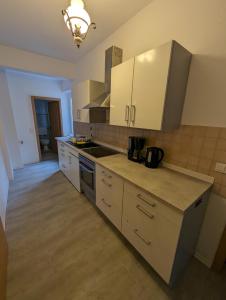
{"points": [[134, 197], [108, 180], [109, 194], [111, 207], [158, 253], [61, 145], [62, 155]]}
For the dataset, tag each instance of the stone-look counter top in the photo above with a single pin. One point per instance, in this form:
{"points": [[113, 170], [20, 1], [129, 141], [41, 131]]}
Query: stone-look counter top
{"points": [[176, 189], [173, 188]]}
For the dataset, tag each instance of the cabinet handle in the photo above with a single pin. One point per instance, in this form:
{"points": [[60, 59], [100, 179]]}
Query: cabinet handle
{"points": [[108, 176], [108, 205], [107, 184], [78, 114], [141, 198], [136, 231], [73, 155], [127, 113], [145, 212], [133, 113]]}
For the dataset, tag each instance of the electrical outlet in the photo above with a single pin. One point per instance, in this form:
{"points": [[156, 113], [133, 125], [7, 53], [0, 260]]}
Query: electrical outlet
{"points": [[221, 168]]}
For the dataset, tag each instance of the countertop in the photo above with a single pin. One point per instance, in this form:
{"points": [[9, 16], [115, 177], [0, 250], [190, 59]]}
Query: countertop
{"points": [[175, 189]]}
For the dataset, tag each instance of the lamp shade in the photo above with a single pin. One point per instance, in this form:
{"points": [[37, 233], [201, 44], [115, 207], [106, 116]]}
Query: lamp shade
{"points": [[79, 17], [78, 21]]}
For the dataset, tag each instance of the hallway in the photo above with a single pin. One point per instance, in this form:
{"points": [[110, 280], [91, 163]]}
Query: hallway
{"points": [[61, 248]]}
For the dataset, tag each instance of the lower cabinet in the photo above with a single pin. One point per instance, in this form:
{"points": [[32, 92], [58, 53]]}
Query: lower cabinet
{"points": [[69, 164], [153, 229], [109, 194], [163, 235]]}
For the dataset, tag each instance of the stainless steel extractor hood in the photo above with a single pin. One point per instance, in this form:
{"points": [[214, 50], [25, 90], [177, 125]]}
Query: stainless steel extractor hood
{"points": [[113, 57]]}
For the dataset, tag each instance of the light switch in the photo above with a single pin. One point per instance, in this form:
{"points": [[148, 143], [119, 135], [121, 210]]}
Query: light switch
{"points": [[221, 168]]}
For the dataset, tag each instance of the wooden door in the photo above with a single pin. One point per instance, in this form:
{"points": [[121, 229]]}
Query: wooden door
{"points": [[55, 123], [121, 93], [149, 87], [3, 262]]}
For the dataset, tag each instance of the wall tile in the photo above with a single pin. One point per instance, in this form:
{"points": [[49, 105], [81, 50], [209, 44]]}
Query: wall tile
{"points": [[197, 148]]}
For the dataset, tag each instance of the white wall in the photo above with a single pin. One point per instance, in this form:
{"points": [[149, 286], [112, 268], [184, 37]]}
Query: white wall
{"points": [[197, 25], [8, 124], [31, 62], [6, 154], [22, 87], [4, 181], [212, 229]]}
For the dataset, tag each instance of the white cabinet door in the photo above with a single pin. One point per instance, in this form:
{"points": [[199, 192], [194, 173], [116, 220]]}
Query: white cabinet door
{"points": [[80, 99], [121, 93], [74, 175], [149, 87]]}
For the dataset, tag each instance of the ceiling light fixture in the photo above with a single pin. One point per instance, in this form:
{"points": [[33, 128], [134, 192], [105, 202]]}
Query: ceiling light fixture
{"points": [[78, 21]]}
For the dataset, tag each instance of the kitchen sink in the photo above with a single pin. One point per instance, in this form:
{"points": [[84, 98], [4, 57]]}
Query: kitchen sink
{"points": [[85, 145]]}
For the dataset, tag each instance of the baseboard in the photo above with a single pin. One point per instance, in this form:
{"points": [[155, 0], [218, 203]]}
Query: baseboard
{"points": [[203, 259]]}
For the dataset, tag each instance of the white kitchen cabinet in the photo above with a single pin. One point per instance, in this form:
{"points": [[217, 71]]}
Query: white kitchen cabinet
{"points": [[109, 194], [84, 93], [159, 80], [152, 228], [63, 158], [69, 163], [164, 236], [121, 93], [73, 172]]}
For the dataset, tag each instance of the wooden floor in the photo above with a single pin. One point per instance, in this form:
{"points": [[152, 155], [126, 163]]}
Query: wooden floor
{"points": [[61, 248]]}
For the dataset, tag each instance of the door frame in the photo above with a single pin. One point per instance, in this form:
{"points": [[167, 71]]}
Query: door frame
{"points": [[33, 98]]}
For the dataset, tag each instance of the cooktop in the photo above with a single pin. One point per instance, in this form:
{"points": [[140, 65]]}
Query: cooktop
{"points": [[100, 151]]}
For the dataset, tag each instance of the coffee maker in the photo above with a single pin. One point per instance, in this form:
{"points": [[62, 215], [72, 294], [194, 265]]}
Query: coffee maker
{"points": [[136, 145]]}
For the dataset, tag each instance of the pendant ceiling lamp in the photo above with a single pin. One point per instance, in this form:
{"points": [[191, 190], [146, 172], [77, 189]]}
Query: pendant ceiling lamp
{"points": [[78, 21]]}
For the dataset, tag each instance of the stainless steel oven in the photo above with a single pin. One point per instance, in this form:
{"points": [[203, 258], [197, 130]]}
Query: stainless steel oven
{"points": [[88, 177]]}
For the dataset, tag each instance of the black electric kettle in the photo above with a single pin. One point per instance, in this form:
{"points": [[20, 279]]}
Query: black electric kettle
{"points": [[154, 156]]}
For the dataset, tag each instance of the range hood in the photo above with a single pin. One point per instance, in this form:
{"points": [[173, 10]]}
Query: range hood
{"points": [[113, 57]]}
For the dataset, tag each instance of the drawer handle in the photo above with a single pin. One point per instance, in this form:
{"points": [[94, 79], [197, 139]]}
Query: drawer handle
{"points": [[108, 205], [136, 231], [107, 184], [141, 198], [72, 155], [145, 212], [108, 176]]}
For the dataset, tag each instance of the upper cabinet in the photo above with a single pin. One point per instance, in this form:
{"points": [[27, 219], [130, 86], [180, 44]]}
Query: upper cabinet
{"points": [[84, 93], [149, 91], [121, 93]]}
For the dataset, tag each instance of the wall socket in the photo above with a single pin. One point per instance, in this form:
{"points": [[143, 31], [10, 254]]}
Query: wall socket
{"points": [[221, 168]]}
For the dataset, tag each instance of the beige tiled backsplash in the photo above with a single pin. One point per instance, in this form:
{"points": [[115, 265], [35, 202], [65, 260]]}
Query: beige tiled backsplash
{"points": [[196, 148]]}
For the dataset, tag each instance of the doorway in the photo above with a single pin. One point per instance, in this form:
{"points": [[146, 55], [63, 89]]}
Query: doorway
{"points": [[48, 125]]}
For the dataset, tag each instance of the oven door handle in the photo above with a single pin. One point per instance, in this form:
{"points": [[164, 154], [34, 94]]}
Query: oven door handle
{"points": [[86, 169]]}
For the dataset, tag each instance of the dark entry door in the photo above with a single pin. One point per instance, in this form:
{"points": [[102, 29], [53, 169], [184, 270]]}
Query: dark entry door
{"points": [[55, 123]]}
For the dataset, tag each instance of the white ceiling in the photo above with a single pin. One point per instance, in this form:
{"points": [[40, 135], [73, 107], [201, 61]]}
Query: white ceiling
{"points": [[38, 26]]}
